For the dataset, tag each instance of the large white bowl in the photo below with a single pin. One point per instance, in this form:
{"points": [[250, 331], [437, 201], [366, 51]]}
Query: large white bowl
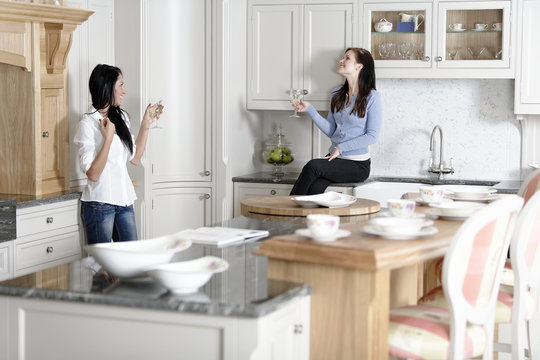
{"points": [[129, 259], [186, 277]]}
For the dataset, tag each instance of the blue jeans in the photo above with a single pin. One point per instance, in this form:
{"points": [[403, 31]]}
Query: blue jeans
{"points": [[105, 222]]}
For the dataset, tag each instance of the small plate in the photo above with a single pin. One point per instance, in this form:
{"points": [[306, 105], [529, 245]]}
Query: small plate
{"points": [[437, 213], [457, 30], [339, 234], [535, 166], [421, 201], [330, 199], [388, 214], [426, 231], [480, 30], [490, 197]]}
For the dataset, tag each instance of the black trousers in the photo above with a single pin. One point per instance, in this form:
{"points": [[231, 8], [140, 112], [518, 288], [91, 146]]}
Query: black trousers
{"points": [[317, 174]]}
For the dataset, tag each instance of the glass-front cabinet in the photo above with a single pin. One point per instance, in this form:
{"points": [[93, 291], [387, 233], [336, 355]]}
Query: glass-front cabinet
{"points": [[450, 39]]}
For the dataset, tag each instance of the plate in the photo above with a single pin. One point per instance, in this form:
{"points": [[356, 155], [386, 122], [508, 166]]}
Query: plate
{"points": [[421, 201], [330, 199], [458, 208], [457, 30], [437, 213], [388, 214], [480, 30], [339, 234], [490, 197], [535, 166], [426, 231]]}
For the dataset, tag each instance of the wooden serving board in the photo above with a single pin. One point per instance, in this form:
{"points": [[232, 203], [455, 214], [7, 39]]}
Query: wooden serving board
{"points": [[283, 205]]}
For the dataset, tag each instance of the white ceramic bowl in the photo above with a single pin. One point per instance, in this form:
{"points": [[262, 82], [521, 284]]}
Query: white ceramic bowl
{"points": [[472, 192], [403, 226], [129, 259], [457, 208], [187, 277]]}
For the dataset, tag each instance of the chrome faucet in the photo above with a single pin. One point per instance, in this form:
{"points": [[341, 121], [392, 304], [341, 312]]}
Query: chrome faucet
{"points": [[440, 169]]}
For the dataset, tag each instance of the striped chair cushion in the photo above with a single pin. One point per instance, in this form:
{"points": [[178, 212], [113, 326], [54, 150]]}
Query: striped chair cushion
{"points": [[532, 187], [423, 332], [503, 310]]}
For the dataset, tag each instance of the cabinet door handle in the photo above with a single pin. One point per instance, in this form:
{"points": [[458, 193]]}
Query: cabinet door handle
{"points": [[298, 328], [45, 134], [50, 219], [206, 196], [438, 58], [207, 173], [426, 58], [273, 192], [50, 249]]}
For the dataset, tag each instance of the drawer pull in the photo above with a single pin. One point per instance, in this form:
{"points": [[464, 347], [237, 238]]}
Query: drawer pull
{"points": [[50, 249], [206, 196], [273, 192], [298, 328], [207, 173], [50, 219], [45, 134]]}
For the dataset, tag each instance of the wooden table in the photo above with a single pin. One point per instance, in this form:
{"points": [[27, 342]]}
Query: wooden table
{"points": [[284, 206], [356, 281]]}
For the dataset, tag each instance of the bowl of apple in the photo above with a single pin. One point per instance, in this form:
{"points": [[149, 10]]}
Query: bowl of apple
{"points": [[278, 152]]}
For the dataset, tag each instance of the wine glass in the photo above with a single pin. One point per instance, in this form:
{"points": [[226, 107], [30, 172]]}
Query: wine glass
{"points": [[452, 53], [156, 109], [419, 51], [386, 50], [404, 50], [475, 52], [296, 95]]}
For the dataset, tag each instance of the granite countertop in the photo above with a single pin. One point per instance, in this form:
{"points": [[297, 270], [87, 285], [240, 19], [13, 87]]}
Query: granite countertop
{"points": [[242, 291], [504, 186]]}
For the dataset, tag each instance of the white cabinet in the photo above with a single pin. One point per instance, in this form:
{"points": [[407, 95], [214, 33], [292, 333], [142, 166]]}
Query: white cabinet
{"points": [[244, 190], [47, 236], [295, 46], [178, 208], [527, 86], [125, 333], [6, 260], [435, 48], [172, 64]]}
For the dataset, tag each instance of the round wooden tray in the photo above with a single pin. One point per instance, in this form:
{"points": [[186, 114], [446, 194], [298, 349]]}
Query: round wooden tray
{"points": [[283, 205]]}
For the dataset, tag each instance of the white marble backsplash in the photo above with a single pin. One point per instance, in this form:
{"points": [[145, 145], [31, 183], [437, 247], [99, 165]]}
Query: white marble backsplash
{"points": [[480, 130]]}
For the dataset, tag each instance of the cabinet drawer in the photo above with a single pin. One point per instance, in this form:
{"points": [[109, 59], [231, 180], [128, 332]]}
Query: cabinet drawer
{"points": [[47, 217], [5, 260], [43, 251]]}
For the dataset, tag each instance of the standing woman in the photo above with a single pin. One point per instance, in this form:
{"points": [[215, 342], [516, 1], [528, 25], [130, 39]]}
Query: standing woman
{"points": [[353, 123], [105, 145]]}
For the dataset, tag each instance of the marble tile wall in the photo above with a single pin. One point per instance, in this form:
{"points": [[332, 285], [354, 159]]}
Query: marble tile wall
{"points": [[480, 130]]}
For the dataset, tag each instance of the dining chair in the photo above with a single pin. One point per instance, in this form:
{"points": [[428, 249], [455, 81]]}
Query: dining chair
{"points": [[530, 185], [471, 274]]}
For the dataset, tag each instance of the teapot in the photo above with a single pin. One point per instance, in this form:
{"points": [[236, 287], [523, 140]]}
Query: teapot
{"points": [[383, 25], [417, 19]]}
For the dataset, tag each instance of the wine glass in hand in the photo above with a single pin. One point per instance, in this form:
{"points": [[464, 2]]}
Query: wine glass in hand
{"points": [[155, 110], [296, 97]]}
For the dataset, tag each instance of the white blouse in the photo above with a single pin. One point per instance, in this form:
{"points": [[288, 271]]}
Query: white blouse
{"points": [[114, 185]]}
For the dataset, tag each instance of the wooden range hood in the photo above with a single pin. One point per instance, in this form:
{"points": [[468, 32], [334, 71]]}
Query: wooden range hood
{"points": [[34, 126]]}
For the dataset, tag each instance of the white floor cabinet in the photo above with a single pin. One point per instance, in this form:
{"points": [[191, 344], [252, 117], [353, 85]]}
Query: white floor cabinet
{"points": [[89, 332]]}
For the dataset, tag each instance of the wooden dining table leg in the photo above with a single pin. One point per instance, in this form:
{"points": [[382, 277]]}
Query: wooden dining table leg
{"points": [[349, 308]]}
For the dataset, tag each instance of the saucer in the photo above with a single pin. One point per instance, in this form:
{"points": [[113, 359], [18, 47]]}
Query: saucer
{"points": [[457, 30], [425, 231], [414, 215], [421, 201], [339, 234], [535, 166], [489, 197], [438, 213], [480, 30]]}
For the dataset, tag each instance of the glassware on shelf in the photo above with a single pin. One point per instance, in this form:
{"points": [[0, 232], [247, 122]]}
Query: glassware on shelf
{"points": [[278, 152], [453, 53], [404, 50], [476, 52], [386, 50], [419, 51], [296, 95], [498, 54]]}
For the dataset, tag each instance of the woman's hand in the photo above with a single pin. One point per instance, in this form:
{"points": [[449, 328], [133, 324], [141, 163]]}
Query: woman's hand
{"points": [[335, 153], [107, 128], [302, 106], [151, 114]]}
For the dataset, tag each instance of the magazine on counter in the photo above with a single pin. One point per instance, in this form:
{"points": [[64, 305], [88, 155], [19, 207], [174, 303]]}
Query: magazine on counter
{"points": [[222, 236]]}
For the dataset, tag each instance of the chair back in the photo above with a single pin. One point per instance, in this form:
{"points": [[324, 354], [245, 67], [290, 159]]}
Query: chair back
{"points": [[473, 265], [525, 249], [530, 185]]}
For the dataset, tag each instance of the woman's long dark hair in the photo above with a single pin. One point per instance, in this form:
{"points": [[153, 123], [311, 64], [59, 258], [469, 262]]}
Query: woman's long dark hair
{"points": [[366, 82], [101, 83]]}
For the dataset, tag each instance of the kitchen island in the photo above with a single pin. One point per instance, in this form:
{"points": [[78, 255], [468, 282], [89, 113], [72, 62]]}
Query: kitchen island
{"points": [[238, 314]]}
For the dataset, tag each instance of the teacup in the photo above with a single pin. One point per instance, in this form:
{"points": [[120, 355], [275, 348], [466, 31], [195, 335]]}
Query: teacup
{"points": [[497, 26], [322, 225], [401, 208], [431, 193], [455, 26], [480, 26]]}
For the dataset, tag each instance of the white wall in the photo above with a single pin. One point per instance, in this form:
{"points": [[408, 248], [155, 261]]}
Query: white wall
{"points": [[480, 130]]}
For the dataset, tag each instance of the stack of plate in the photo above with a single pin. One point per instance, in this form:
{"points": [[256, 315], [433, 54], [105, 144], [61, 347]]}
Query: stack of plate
{"points": [[395, 228], [330, 199], [457, 210], [473, 193]]}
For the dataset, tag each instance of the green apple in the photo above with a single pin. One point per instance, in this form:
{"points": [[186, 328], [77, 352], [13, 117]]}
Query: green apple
{"points": [[276, 157]]}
